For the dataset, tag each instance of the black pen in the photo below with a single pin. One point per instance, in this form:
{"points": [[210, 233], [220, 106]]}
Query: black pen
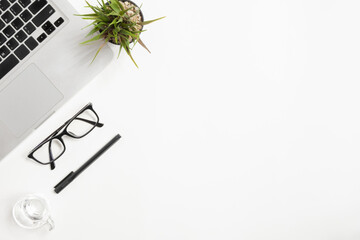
{"points": [[71, 176]]}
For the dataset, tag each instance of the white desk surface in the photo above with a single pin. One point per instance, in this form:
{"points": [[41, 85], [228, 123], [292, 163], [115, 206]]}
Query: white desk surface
{"points": [[243, 123]]}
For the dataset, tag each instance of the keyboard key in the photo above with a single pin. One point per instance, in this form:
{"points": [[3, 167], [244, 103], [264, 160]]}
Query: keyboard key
{"points": [[37, 6], [12, 44], [2, 39], [21, 52], [17, 23], [4, 4], [12, 1], [29, 28], [7, 17], [43, 15], [59, 22], [25, 15], [9, 31], [41, 37], [48, 27], [20, 36], [24, 3], [2, 24], [4, 51], [31, 43], [50, 30], [7, 65], [16, 9]]}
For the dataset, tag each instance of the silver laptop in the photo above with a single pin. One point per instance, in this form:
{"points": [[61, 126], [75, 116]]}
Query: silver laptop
{"points": [[42, 64]]}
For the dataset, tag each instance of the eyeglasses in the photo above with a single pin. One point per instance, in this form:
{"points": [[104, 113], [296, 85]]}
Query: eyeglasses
{"points": [[53, 147]]}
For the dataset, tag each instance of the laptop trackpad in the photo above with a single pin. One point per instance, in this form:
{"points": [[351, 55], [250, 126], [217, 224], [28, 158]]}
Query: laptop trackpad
{"points": [[27, 99]]}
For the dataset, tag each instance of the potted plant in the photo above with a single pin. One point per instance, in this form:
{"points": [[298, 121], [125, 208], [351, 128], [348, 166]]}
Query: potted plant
{"points": [[118, 22]]}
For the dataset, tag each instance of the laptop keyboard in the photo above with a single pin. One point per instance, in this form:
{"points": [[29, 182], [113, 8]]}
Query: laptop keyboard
{"points": [[19, 21]]}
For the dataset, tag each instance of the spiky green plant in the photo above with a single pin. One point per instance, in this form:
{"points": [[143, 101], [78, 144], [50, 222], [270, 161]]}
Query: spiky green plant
{"points": [[118, 22]]}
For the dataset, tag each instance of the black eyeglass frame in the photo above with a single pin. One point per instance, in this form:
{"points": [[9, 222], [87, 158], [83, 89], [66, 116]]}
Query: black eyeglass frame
{"points": [[58, 135]]}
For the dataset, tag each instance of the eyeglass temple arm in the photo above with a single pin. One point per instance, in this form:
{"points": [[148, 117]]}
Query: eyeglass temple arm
{"points": [[97, 124], [52, 164]]}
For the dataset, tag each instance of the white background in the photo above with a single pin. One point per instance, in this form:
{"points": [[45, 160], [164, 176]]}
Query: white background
{"points": [[243, 123]]}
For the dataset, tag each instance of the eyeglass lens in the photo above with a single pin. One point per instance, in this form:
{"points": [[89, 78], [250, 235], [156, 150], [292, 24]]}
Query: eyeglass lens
{"points": [[83, 124]]}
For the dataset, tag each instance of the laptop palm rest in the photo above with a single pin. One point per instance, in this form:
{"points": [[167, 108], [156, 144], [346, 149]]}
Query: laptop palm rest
{"points": [[27, 99]]}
